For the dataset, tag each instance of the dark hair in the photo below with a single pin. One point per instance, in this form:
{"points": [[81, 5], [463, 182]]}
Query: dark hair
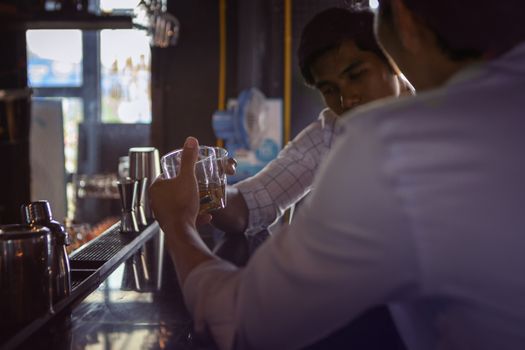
{"points": [[470, 28], [329, 29]]}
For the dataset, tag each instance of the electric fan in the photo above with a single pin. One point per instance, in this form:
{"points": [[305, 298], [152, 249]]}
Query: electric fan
{"points": [[243, 125]]}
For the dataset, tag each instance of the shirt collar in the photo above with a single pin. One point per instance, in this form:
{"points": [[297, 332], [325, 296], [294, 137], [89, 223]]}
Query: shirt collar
{"points": [[512, 60]]}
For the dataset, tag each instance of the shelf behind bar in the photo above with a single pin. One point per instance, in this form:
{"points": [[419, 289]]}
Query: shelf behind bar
{"points": [[57, 20]]}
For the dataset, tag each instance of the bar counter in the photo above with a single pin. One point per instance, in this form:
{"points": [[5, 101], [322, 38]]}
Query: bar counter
{"points": [[138, 305], [118, 316], [132, 300]]}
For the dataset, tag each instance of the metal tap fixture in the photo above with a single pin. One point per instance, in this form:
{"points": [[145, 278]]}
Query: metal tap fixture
{"points": [[142, 194], [144, 163]]}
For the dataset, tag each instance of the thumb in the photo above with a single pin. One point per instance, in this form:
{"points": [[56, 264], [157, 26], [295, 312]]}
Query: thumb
{"points": [[190, 154]]}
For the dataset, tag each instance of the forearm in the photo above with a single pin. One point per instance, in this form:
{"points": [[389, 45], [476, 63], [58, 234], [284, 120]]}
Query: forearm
{"points": [[233, 218], [186, 248], [282, 182]]}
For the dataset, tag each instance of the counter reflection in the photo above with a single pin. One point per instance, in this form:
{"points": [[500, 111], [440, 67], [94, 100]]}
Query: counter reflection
{"points": [[139, 306]]}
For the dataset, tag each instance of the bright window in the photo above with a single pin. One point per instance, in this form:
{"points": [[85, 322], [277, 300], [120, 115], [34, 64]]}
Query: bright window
{"points": [[125, 76], [100, 77], [72, 108], [109, 5], [54, 58]]}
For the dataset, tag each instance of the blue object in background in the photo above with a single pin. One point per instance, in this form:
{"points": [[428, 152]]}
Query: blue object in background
{"points": [[230, 125], [267, 151], [42, 72], [245, 129]]}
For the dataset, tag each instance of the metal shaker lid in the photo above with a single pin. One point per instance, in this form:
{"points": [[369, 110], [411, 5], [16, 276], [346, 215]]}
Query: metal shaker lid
{"points": [[39, 213], [144, 162], [36, 212], [16, 231]]}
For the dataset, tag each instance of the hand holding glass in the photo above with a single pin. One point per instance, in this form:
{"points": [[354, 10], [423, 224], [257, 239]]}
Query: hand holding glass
{"points": [[211, 194]]}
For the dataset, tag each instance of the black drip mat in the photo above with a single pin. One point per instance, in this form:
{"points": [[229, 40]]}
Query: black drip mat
{"points": [[75, 283], [79, 276], [101, 250]]}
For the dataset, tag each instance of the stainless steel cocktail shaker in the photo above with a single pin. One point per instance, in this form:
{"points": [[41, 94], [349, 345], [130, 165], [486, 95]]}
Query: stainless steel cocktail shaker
{"points": [[39, 213], [25, 274]]}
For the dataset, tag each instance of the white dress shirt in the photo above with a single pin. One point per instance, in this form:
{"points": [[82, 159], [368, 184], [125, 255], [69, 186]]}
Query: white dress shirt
{"points": [[420, 204], [288, 178]]}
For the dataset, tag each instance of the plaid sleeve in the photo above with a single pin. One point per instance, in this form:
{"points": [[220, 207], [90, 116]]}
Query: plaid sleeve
{"points": [[286, 179]]}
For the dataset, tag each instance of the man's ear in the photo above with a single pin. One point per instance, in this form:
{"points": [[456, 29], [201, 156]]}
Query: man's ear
{"points": [[409, 27]]}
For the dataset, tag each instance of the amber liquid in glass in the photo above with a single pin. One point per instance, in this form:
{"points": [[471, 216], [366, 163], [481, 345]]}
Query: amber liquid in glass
{"points": [[212, 196]]}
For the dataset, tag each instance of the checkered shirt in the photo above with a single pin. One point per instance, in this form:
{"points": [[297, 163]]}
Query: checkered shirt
{"points": [[288, 178]]}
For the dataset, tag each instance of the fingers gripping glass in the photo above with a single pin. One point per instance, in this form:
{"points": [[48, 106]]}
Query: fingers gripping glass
{"points": [[211, 194]]}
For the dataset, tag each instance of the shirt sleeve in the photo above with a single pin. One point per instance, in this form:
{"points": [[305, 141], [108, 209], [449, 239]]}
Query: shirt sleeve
{"points": [[349, 248], [286, 179]]}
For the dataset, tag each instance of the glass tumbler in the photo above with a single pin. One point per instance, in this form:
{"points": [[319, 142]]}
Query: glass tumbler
{"points": [[211, 195]]}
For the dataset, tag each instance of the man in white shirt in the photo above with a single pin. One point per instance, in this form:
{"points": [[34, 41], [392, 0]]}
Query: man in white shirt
{"points": [[420, 204]]}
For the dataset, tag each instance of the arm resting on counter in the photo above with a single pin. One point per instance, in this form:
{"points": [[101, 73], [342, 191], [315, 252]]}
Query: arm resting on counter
{"points": [[333, 263], [186, 248], [258, 201]]}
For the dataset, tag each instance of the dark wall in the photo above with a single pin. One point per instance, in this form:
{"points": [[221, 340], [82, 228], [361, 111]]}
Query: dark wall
{"points": [[185, 77], [259, 27], [260, 52], [14, 127]]}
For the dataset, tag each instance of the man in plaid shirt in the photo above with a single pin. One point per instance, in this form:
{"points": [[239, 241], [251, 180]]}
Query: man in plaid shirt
{"points": [[340, 57]]}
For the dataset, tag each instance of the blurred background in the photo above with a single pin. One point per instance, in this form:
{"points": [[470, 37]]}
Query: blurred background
{"points": [[83, 81]]}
